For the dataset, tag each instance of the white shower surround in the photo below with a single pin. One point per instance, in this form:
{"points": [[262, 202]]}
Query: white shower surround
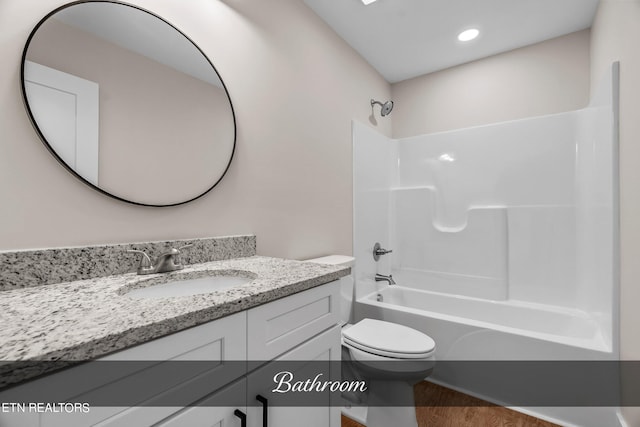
{"points": [[504, 238]]}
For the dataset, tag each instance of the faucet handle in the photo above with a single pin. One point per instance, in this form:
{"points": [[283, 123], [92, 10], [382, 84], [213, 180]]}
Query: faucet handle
{"points": [[180, 248], [145, 261], [378, 251], [178, 251]]}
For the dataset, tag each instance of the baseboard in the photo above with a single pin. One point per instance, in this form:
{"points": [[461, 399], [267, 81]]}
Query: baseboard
{"points": [[356, 413]]}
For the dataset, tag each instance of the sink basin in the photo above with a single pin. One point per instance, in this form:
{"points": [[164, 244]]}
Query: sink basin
{"points": [[181, 287]]}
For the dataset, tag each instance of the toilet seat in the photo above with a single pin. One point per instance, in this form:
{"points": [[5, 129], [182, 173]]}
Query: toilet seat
{"points": [[388, 339]]}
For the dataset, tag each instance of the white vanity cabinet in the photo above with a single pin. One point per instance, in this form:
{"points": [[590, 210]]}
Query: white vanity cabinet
{"points": [[300, 327], [258, 413]]}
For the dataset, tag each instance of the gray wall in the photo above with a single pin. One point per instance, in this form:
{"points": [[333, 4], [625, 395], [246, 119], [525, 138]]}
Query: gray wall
{"points": [[544, 78]]}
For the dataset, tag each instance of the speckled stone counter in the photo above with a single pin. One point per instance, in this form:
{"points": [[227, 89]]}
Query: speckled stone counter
{"points": [[86, 319], [35, 267]]}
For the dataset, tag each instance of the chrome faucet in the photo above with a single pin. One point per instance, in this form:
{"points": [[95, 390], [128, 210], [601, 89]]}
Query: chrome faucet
{"points": [[168, 261], [383, 278]]}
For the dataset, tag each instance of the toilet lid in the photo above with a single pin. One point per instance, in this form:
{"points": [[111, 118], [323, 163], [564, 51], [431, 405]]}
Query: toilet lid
{"points": [[389, 339]]}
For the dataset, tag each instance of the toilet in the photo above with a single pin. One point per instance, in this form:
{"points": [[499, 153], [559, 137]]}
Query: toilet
{"points": [[390, 357]]}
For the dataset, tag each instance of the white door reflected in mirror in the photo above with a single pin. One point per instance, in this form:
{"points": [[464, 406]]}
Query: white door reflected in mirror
{"points": [[66, 109]]}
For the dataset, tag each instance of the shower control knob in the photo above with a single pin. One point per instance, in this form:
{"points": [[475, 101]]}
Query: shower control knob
{"points": [[378, 251]]}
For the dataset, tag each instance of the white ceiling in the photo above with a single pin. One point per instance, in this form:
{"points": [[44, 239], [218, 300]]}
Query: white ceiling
{"points": [[407, 38], [142, 33]]}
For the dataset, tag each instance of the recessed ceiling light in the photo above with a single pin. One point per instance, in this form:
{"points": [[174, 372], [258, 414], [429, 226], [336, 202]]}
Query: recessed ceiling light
{"points": [[366, 2], [469, 34]]}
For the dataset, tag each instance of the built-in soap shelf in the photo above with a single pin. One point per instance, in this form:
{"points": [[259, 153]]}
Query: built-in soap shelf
{"points": [[424, 198], [487, 255], [478, 248], [475, 212]]}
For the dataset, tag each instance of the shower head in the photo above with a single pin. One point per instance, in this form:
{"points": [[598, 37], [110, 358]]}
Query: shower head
{"points": [[385, 108]]}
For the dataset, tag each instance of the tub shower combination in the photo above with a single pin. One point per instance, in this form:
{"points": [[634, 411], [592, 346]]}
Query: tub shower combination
{"points": [[504, 239]]}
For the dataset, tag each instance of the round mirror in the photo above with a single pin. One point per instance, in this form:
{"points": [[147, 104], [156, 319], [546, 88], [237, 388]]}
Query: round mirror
{"points": [[128, 103]]}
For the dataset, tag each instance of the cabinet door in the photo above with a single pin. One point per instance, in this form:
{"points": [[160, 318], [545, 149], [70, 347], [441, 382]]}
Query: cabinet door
{"points": [[208, 414], [302, 362]]}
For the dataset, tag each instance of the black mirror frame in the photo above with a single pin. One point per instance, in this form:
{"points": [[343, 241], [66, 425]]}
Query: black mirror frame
{"points": [[59, 159]]}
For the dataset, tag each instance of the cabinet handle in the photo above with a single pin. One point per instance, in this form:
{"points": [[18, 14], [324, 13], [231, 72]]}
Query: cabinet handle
{"points": [[265, 410], [243, 417]]}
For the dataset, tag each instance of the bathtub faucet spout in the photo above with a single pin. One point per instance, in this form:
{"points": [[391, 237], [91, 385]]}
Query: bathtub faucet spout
{"points": [[383, 278]]}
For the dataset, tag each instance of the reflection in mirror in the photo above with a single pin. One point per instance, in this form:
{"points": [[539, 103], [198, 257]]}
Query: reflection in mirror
{"points": [[128, 103]]}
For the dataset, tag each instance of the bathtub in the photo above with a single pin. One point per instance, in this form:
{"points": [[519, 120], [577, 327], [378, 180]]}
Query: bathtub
{"points": [[466, 328], [479, 329]]}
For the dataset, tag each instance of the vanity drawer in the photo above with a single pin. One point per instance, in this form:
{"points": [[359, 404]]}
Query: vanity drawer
{"points": [[220, 341], [279, 326]]}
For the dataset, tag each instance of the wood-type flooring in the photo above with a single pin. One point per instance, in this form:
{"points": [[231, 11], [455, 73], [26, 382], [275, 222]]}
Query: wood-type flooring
{"points": [[449, 408]]}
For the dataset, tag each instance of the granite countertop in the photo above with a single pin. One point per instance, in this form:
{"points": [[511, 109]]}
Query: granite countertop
{"points": [[85, 319]]}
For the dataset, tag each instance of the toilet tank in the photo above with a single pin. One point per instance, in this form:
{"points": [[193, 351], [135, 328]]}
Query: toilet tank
{"points": [[346, 283]]}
